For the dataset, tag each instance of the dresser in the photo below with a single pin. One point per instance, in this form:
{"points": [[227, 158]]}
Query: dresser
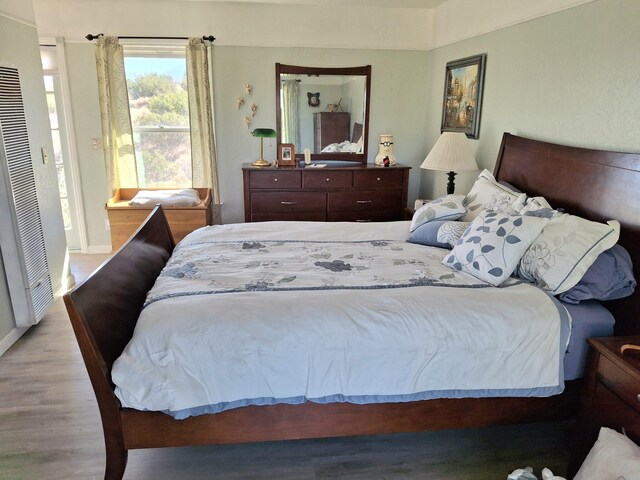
{"points": [[328, 128], [362, 193], [611, 395]]}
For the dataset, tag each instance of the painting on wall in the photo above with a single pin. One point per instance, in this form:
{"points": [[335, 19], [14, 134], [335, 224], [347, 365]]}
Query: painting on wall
{"points": [[462, 102]]}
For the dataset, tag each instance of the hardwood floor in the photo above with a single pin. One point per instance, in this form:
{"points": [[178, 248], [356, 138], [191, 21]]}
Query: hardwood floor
{"points": [[50, 429]]}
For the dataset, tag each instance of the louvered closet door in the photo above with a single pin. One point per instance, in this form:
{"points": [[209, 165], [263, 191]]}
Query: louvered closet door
{"points": [[27, 224]]}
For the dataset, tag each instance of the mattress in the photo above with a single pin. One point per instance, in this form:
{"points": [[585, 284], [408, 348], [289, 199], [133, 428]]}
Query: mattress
{"points": [[289, 312], [588, 320]]}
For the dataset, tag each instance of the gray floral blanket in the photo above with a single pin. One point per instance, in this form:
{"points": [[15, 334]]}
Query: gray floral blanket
{"points": [[215, 267]]}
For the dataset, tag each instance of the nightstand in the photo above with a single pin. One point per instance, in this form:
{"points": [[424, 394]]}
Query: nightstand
{"points": [[611, 395]]}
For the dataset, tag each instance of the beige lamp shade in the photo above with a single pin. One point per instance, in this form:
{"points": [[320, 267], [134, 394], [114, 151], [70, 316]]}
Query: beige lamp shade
{"points": [[451, 153]]}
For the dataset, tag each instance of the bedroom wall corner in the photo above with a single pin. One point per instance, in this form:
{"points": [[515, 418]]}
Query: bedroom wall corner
{"points": [[569, 78]]}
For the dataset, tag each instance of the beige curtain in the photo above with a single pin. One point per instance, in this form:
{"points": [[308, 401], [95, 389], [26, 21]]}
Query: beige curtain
{"points": [[117, 137], [203, 140], [290, 118]]}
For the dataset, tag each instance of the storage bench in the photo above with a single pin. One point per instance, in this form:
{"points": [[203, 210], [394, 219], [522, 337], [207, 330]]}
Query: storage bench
{"points": [[125, 219]]}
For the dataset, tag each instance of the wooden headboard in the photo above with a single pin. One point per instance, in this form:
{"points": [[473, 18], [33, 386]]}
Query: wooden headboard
{"points": [[593, 184]]}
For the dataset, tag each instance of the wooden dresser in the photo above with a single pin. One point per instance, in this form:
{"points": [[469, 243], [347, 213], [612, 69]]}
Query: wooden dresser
{"points": [[611, 395], [362, 193], [124, 219], [328, 128]]}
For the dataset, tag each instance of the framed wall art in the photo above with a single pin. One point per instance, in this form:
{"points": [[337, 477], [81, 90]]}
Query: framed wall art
{"points": [[463, 83]]}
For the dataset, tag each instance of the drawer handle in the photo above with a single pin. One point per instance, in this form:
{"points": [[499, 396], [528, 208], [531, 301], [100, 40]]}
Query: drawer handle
{"points": [[638, 397], [287, 203], [364, 201], [275, 179], [368, 220], [378, 178], [328, 179]]}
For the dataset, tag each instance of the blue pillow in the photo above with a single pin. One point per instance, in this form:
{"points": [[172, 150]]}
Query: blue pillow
{"points": [[610, 277], [427, 234]]}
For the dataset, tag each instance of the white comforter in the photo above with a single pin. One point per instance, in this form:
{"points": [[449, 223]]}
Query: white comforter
{"points": [[214, 345]]}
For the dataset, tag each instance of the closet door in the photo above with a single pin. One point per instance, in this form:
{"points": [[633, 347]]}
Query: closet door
{"points": [[22, 240]]}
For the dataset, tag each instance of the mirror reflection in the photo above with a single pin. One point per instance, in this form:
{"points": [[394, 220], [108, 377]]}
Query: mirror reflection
{"points": [[323, 110]]}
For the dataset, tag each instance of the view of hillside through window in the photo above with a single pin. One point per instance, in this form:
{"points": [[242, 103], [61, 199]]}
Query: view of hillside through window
{"points": [[160, 120]]}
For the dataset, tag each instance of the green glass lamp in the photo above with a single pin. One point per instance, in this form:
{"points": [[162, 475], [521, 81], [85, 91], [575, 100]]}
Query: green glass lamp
{"points": [[262, 133]]}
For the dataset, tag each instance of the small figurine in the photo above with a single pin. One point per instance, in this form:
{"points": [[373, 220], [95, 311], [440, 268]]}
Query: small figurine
{"points": [[386, 162], [385, 151], [239, 102], [247, 88], [254, 107], [247, 121]]}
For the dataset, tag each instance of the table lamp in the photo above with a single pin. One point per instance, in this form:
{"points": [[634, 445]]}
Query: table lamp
{"points": [[451, 153], [262, 133]]}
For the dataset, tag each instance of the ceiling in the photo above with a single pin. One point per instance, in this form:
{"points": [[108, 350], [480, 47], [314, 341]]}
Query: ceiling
{"points": [[426, 4]]}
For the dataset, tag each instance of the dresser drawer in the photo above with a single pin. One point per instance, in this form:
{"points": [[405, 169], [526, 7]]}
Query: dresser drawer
{"points": [[364, 200], [382, 177], [620, 382], [327, 179], [364, 216], [275, 179], [273, 202], [289, 217]]}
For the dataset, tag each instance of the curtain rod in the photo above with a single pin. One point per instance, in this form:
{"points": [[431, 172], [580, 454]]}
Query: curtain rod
{"points": [[91, 37]]}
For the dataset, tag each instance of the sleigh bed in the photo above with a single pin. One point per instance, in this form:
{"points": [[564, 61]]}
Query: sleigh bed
{"points": [[104, 311]]}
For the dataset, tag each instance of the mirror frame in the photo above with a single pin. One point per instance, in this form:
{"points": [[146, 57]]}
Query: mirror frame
{"points": [[364, 71]]}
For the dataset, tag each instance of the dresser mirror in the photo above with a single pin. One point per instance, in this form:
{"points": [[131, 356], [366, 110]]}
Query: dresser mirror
{"points": [[324, 110]]}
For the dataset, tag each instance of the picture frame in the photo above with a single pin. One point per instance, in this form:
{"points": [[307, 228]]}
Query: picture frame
{"points": [[286, 155], [462, 103]]}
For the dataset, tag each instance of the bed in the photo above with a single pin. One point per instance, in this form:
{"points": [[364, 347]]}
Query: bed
{"points": [[104, 311]]}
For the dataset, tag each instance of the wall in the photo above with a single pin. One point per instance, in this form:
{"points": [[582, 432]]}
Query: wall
{"points": [[572, 78], [19, 48], [397, 106]]}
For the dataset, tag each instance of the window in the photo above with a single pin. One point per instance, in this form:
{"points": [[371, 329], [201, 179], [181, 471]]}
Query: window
{"points": [[159, 109]]}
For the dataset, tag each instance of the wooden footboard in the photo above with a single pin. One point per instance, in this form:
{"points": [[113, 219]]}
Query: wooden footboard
{"points": [[104, 310]]}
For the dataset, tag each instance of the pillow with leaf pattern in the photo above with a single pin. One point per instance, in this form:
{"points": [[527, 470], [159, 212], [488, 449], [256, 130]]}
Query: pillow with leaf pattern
{"points": [[493, 244], [564, 251], [449, 207], [485, 190]]}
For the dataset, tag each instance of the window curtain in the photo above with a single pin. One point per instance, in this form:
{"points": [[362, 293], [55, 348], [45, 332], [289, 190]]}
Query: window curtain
{"points": [[202, 127], [117, 136], [290, 119]]}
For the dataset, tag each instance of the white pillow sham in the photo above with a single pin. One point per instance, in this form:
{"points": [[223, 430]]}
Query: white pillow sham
{"points": [[186, 197], [568, 245], [492, 245], [449, 207], [484, 190], [612, 457]]}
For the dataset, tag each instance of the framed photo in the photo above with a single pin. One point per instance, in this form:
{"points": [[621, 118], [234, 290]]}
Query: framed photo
{"points": [[463, 83], [286, 155]]}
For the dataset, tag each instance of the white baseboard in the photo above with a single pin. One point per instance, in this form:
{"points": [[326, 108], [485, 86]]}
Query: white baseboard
{"points": [[99, 249], [11, 338]]}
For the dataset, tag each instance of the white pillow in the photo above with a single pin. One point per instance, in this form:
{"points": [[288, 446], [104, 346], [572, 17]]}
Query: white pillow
{"points": [[484, 190], [612, 457], [449, 207], [186, 197], [492, 245], [566, 248]]}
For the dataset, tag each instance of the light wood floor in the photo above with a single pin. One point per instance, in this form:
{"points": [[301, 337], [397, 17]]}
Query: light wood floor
{"points": [[50, 429]]}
